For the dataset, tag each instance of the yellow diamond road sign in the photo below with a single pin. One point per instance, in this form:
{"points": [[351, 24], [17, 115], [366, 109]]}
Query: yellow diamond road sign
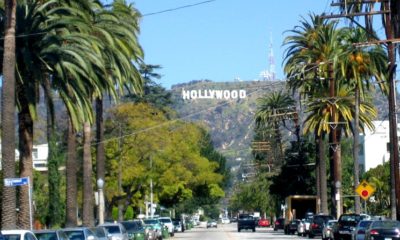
{"points": [[365, 190]]}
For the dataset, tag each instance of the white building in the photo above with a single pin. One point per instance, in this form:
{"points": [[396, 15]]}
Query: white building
{"points": [[374, 146], [39, 156]]}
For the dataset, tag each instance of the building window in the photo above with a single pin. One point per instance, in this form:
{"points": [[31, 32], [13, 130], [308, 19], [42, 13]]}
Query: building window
{"points": [[35, 153]]}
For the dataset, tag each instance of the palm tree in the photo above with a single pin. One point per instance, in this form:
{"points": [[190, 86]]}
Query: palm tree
{"points": [[312, 44], [391, 25], [360, 67], [8, 203], [273, 110]]}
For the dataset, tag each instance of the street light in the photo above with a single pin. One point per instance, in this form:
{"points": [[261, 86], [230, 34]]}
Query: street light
{"points": [[100, 185]]}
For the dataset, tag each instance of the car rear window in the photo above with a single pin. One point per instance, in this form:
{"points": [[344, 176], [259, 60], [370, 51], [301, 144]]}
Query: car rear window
{"points": [[165, 220], [112, 229], [46, 236], [12, 237]]}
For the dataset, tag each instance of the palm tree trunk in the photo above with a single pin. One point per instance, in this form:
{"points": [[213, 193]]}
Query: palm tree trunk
{"points": [[71, 169], [100, 158], [25, 133], [322, 173], [8, 201], [88, 215], [356, 173]]}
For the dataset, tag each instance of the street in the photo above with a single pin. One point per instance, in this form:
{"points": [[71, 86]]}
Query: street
{"points": [[229, 232]]}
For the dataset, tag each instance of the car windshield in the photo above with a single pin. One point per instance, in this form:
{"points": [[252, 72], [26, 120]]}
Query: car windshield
{"points": [[150, 221], [11, 236], [112, 229], [364, 224], [165, 220], [246, 217], [350, 218], [330, 224], [75, 235], [131, 226], [46, 236]]}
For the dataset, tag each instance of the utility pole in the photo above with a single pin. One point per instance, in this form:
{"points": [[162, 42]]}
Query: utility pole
{"points": [[334, 146], [389, 17], [120, 207]]}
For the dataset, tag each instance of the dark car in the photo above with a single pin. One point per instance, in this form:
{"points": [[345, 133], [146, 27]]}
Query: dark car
{"points": [[291, 228], [50, 235], [346, 225], [246, 221], [383, 229], [317, 224], [279, 224]]}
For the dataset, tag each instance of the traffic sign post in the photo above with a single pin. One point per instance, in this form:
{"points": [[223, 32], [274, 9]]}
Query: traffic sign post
{"points": [[14, 182], [365, 190]]}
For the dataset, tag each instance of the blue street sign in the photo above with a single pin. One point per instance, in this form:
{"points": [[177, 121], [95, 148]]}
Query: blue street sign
{"points": [[13, 182]]}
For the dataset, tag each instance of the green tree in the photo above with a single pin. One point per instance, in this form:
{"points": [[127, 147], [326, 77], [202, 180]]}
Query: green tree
{"points": [[168, 152]]}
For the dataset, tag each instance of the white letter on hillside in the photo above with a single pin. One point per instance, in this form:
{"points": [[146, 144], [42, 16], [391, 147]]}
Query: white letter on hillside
{"points": [[242, 93], [185, 94]]}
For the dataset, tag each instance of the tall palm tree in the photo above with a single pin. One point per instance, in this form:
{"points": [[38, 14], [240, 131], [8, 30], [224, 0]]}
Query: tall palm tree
{"points": [[360, 67], [8, 203], [391, 25], [273, 110], [310, 45]]}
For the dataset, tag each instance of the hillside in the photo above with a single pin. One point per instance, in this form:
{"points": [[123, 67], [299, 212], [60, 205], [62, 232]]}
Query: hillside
{"points": [[231, 120]]}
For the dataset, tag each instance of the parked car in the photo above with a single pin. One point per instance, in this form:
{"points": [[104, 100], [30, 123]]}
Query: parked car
{"points": [[168, 222], [359, 232], [225, 220], [116, 231], [100, 232], [279, 224], [80, 233], [327, 231], [178, 226], [156, 225], [50, 235], [246, 221], [135, 230], [317, 224], [291, 227], [263, 222], [18, 235], [301, 231], [382, 230], [346, 225], [212, 223]]}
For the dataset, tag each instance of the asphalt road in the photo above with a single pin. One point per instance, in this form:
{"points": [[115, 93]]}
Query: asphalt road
{"points": [[229, 232]]}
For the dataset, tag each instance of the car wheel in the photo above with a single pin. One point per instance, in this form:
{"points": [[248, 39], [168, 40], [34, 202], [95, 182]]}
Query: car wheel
{"points": [[254, 229], [310, 235], [238, 229]]}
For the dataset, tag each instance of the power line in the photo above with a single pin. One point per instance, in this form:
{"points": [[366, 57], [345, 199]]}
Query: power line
{"points": [[178, 8], [143, 15]]}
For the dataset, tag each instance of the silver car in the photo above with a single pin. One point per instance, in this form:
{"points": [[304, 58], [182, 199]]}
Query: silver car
{"points": [[116, 231], [359, 232], [80, 233], [327, 231]]}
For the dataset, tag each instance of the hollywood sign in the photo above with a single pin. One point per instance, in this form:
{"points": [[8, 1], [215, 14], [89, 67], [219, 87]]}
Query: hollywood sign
{"points": [[213, 94]]}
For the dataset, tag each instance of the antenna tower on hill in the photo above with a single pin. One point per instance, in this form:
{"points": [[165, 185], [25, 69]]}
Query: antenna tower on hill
{"points": [[269, 74]]}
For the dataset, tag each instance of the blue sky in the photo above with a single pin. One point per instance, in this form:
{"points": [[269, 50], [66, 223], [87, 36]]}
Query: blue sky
{"points": [[219, 40]]}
